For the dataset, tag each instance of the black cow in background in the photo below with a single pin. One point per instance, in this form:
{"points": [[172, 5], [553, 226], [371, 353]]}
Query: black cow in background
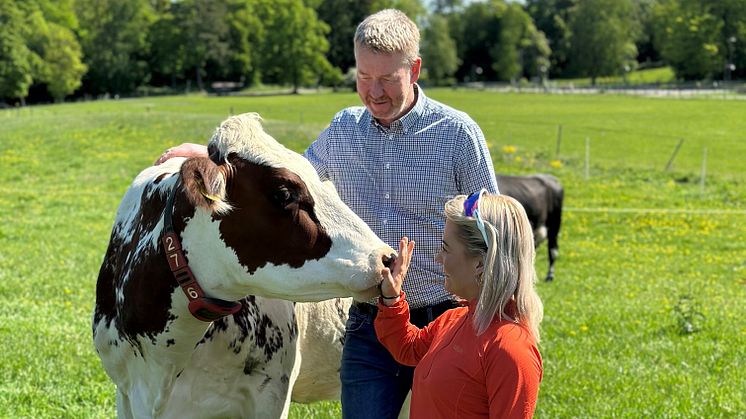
{"points": [[541, 197]]}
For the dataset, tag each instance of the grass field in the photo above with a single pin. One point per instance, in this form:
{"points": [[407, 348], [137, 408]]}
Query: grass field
{"points": [[645, 318]]}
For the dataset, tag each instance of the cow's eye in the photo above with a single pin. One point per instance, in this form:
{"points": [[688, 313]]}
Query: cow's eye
{"points": [[283, 196]]}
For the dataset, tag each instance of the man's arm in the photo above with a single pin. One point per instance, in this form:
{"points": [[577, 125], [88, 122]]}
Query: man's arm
{"points": [[318, 154], [183, 150], [474, 169]]}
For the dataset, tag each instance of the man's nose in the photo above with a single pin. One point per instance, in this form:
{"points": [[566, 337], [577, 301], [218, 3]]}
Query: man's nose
{"points": [[376, 89]]}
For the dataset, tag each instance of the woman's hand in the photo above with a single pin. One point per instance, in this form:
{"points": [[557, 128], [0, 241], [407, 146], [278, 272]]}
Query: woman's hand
{"points": [[183, 150], [393, 278]]}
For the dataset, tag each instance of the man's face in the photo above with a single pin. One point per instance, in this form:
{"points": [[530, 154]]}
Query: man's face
{"points": [[384, 84]]}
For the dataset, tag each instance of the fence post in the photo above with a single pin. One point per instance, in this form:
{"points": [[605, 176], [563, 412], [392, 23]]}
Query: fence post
{"points": [[704, 173], [559, 140], [587, 157], [673, 156]]}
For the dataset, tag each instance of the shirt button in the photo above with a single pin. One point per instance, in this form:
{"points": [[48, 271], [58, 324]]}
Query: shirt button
{"points": [[391, 136], [387, 195], [388, 165], [385, 222]]}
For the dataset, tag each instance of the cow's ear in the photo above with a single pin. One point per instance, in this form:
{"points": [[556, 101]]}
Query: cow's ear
{"points": [[204, 184]]}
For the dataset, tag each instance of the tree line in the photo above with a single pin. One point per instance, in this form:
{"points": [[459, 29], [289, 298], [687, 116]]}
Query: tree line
{"points": [[53, 49]]}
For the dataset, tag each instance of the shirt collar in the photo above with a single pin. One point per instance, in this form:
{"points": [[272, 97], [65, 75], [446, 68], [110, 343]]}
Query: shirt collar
{"points": [[410, 118]]}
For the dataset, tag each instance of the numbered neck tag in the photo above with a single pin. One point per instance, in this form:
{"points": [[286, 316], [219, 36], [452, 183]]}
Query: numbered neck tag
{"points": [[202, 307]]}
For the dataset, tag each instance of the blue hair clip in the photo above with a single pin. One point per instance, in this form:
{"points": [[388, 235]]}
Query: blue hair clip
{"points": [[471, 209]]}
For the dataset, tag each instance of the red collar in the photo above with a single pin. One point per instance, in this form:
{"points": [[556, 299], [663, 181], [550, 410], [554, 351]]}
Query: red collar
{"points": [[201, 306]]}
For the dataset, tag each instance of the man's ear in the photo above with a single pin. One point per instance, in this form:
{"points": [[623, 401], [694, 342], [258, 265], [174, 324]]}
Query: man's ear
{"points": [[414, 70]]}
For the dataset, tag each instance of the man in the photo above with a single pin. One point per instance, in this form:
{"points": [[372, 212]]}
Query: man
{"points": [[443, 152], [399, 130]]}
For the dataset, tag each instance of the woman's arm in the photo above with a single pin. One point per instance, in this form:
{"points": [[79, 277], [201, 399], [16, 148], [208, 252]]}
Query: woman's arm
{"points": [[513, 372], [406, 343]]}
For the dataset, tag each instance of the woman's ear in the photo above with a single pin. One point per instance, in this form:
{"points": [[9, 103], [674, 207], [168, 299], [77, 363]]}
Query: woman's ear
{"points": [[479, 269]]}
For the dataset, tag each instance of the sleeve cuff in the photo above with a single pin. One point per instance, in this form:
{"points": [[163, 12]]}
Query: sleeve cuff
{"points": [[396, 307]]}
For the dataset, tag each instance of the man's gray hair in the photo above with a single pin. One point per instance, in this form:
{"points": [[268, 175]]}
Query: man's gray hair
{"points": [[389, 31]]}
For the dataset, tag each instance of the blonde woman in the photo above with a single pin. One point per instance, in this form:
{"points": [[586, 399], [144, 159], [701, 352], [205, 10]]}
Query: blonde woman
{"points": [[479, 360]]}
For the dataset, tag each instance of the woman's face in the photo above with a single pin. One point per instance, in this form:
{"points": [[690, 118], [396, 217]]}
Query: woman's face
{"points": [[461, 269]]}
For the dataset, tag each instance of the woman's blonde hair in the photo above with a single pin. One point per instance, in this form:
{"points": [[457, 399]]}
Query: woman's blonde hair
{"points": [[508, 259], [389, 31]]}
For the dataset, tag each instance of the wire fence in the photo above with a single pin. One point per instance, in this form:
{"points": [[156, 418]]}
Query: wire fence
{"points": [[694, 90]]}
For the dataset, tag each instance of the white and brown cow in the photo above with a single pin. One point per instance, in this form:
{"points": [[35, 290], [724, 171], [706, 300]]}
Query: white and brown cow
{"points": [[251, 222]]}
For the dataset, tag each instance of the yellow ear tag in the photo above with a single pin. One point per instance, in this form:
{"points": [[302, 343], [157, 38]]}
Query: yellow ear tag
{"points": [[210, 197]]}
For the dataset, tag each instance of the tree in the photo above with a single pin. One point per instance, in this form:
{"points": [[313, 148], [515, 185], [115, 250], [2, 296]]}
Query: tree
{"points": [[444, 7], [38, 46], [15, 57], [536, 54], [56, 54], [647, 50], [412, 8], [205, 32], [295, 44], [476, 31], [688, 35], [167, 49], [515, 42], [342, 16], [732, 35], [245, 32], [439, 51], [602, 40], [552, 17], [113, 34], [506, 32], [63, 60]]}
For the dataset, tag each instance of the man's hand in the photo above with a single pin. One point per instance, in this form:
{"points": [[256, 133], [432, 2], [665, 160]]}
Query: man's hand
{"points": [[183, 150], [393, 279]]}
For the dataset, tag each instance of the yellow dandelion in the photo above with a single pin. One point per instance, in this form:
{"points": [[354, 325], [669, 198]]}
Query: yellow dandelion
{"points": [[509, 149], [556, 164], [518, 159], [583, 328]]}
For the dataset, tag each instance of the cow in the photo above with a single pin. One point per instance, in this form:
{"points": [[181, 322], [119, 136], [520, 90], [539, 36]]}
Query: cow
{"points": [[541, 196], [193, 314]]}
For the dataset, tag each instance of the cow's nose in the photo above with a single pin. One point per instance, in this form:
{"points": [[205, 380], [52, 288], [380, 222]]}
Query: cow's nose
{"points": [[388, 260]]}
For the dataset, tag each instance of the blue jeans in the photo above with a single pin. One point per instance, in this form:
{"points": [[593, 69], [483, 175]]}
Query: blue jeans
{"points": [[374, 385]]}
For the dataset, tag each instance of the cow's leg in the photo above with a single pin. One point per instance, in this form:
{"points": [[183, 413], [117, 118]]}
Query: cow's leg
{"points": [[124, 410], [552, 256], [553, 227]]}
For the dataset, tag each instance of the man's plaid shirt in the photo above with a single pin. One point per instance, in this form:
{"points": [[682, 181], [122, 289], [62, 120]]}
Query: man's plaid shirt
{"points": [[398, 179]]}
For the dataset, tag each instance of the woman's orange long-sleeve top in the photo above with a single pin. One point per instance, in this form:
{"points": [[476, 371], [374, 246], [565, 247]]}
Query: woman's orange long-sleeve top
{"points": [[459, 374]]}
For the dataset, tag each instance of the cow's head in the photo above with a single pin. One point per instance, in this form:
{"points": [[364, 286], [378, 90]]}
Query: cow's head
{"points": [[265, 222]]}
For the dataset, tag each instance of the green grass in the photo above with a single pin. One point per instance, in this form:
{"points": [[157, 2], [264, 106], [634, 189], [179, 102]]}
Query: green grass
{"points": [[613, 342]]}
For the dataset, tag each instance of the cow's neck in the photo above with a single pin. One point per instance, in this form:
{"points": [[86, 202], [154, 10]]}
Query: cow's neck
{"points": [[204, 307]]}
